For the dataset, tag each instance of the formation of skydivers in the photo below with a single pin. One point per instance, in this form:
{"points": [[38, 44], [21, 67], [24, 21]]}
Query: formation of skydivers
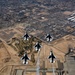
{"points": [[37, 47]]}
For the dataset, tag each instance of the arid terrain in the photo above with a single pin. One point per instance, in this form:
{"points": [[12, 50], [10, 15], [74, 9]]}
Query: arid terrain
{"points": [[11, 63], [51, 16], [38, 18]]}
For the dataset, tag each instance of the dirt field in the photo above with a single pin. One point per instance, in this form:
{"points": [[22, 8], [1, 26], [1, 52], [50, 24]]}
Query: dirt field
{"points": [[59, 48]]}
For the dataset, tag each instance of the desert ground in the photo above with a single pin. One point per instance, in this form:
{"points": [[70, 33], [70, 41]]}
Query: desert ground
{"points": [[11, 63]]}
